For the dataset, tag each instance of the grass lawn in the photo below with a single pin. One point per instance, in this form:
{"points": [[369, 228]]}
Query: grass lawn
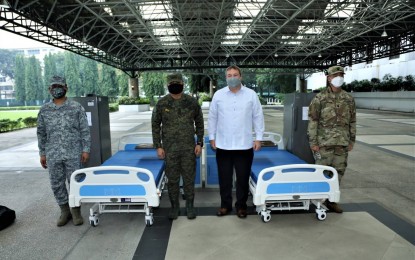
{"points": [[14, 115]]}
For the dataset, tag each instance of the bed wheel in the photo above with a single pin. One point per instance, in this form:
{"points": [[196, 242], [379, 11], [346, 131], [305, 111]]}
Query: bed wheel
{"points": [[94, 223], [94, 220], [149, 221], [321, 216], [265, 216]]}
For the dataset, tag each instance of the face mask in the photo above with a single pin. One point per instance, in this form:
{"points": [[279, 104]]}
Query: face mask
{"points": [[175, 88], [58, 92], [337, 81], [233, 82]]}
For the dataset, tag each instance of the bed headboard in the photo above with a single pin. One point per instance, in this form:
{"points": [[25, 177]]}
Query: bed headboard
{"points": [[275, 138], [131, 141]]}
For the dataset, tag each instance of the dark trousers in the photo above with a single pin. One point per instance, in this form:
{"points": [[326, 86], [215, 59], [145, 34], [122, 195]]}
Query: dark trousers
{"points": [[227, 161]]}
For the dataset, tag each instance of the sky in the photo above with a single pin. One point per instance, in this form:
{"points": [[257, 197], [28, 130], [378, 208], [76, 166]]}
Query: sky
{"points": [[11, 41]]}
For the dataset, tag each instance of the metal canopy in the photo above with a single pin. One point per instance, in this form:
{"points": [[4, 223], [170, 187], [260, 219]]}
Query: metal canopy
{"points": [[139, 35]]}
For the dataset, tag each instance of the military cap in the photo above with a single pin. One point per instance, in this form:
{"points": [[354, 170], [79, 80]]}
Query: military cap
{"points": [[334, 70], [175, 78], [57, 80]]}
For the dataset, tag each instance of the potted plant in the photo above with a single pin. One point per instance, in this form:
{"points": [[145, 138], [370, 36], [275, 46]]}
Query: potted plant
{"points": [[131, 104], [205, 100]]}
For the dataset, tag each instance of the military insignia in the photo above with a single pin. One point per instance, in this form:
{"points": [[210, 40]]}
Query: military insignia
{"points": [[166, 110]]}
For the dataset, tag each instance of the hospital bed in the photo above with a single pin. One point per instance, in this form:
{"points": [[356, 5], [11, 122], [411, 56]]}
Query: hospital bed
{"points": [[129, 181], [281, 181]]}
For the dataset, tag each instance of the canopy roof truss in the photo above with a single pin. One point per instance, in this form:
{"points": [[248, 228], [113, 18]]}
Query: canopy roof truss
{"points": [[139, 35]]}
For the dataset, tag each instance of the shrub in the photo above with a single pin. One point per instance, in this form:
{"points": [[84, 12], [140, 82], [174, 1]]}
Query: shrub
{"points": [[262, 100], [133, 101], [9, 125], [280, 97], [30, 121], [204, 97], [113, 107]]}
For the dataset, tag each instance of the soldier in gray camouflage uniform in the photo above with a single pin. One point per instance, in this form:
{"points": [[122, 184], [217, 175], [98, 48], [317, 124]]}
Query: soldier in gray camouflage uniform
{"points": [[176, 119], [332, 126], [64, 144]]}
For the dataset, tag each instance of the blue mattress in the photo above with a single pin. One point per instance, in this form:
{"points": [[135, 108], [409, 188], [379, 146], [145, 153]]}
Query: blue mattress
{"points": [[269, 157], [142, 158]]}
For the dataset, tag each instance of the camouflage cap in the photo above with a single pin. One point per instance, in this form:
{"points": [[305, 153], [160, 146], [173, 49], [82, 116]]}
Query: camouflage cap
{"points": [[334, 70], [174, 78], [57, 80]]}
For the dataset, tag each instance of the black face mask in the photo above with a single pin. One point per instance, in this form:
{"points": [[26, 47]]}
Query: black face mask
{"points": [[58, 92], [175, 88]]}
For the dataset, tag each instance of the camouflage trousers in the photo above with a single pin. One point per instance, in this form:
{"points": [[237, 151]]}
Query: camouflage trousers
{"points": [[59, 173], [336, 157], [182, 163]]}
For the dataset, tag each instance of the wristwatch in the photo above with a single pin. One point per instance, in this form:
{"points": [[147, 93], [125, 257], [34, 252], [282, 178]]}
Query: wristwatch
{"points": [[200, 143]]}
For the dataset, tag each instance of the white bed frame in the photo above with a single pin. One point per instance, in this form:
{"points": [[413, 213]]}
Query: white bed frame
{"points": [[112, 186], [298, 180]]}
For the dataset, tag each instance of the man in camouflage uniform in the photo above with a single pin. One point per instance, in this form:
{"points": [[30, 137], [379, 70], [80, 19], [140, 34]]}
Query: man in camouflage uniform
{"points": [[176, 119], [332, 126], [64, 144]]}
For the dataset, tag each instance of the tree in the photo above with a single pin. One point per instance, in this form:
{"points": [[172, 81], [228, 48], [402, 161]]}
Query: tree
{"points": [[19, 79], [122, 80], [49, 71], [33, 81], [89, 76], [109, 86], [7, 62], [153, 84], [72, 75]]}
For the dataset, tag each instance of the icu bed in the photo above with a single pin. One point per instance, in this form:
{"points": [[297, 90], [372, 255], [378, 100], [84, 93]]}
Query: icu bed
{"points": [[281, 181], [129, 181]]}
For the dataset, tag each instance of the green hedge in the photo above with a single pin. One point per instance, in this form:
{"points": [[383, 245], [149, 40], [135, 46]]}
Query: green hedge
{"points": [[204, 97], [7, 125], [113, 107], [20, 108], [133, 101]]}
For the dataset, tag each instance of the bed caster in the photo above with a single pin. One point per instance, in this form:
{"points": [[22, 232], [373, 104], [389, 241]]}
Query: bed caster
{"points": [[321, 215], [265, 216], [149, 221], [93, 220]]}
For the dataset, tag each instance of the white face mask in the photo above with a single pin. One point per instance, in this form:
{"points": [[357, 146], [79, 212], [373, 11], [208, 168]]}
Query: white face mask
{"points": [[337, 81]]}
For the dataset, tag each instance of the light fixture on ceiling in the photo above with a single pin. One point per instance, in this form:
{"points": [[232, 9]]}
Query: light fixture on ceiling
{"points": [[178, 56], [4, 4], [227, 55], [276, 55], [140, 39], [384, 34], [319, 55]]}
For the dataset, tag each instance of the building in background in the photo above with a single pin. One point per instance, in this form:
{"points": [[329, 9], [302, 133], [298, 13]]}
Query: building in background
{"points": [[399, 65], [6, 88]]}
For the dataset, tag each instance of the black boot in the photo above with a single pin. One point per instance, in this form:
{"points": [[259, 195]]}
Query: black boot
{"points": [[175, 207], [191, 214]]}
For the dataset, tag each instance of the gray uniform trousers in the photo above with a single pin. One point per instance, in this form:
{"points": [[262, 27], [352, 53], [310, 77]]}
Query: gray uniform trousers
{"points": [[59, 172]]}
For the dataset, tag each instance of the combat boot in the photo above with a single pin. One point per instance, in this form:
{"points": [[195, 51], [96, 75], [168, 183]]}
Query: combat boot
{"points": [[191, 214], [76, 216], [333, 207], [175, 207], [65, 215]]}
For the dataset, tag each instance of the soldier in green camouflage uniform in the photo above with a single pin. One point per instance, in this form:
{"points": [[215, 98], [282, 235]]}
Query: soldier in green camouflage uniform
{"points": [[332, 126], [64, 144], [176, 119]]}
